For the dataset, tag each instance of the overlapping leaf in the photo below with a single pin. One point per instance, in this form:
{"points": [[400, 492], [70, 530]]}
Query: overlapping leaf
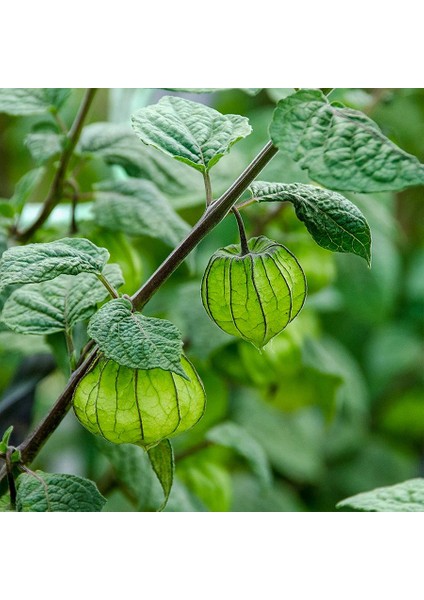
{"points": [[335, 223], [118, 145], [136, 341], [31, 101], [341, 148], [137, 207], [57, 305], [34, 263], [188, 131]]}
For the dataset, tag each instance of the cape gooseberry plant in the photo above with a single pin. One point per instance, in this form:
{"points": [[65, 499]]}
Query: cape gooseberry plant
{"points": [[131, 383]]}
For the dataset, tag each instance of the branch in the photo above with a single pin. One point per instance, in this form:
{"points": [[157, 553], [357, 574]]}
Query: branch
{"points": [[56, 190], [213, 215]]}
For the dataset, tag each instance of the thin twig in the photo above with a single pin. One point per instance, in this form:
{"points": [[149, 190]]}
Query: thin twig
{"points": [[56, 190], [243, 239], [208, 188], [59, 121], [10, 479], [108, 286], [74, 203], [246, 203]]}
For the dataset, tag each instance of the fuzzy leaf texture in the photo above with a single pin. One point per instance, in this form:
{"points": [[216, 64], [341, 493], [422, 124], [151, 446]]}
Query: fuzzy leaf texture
{"points": [[41, 262], [44, 145], [31, 101], [136, 341], [57, 305], [402, 497], [137, 207], [162, 460], [335, 223], [52, 492], [188, 131], [339, 147]]}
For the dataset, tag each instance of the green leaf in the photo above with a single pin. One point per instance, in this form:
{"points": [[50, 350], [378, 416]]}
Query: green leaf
{"points": [[238, 439], [249, 91], [134, 473], [44, 145], [52, 492], [118, 145], [404, 415], [248, 496], [190, 132], [25, 187], [208, 480], [335, 223], [4, 444], [136, 207], [402, 497], [182, 499], [136, 341], [57, 305], [5, 504], [6, 209], [41, 262], [16, 456], [162, 461], [341, 148], [293, 442], [31, 101]]}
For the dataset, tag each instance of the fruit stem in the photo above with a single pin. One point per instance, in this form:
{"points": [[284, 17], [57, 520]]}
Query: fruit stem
{"points": [[243, 239]]}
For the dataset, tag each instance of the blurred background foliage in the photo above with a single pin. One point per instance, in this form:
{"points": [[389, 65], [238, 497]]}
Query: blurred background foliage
{"points": [[333, 406]]}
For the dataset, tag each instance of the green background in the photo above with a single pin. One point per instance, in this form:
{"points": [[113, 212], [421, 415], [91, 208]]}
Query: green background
{"points": [[335, 403]]}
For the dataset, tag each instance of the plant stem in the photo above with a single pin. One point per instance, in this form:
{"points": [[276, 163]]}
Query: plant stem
{"points": [[74, 200], [56, 190], [32, 444], [59, 121], [213, 215], [108, 286], [246, 203], [10, 480], [243, 239], [208, 188], [71, 350]]}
